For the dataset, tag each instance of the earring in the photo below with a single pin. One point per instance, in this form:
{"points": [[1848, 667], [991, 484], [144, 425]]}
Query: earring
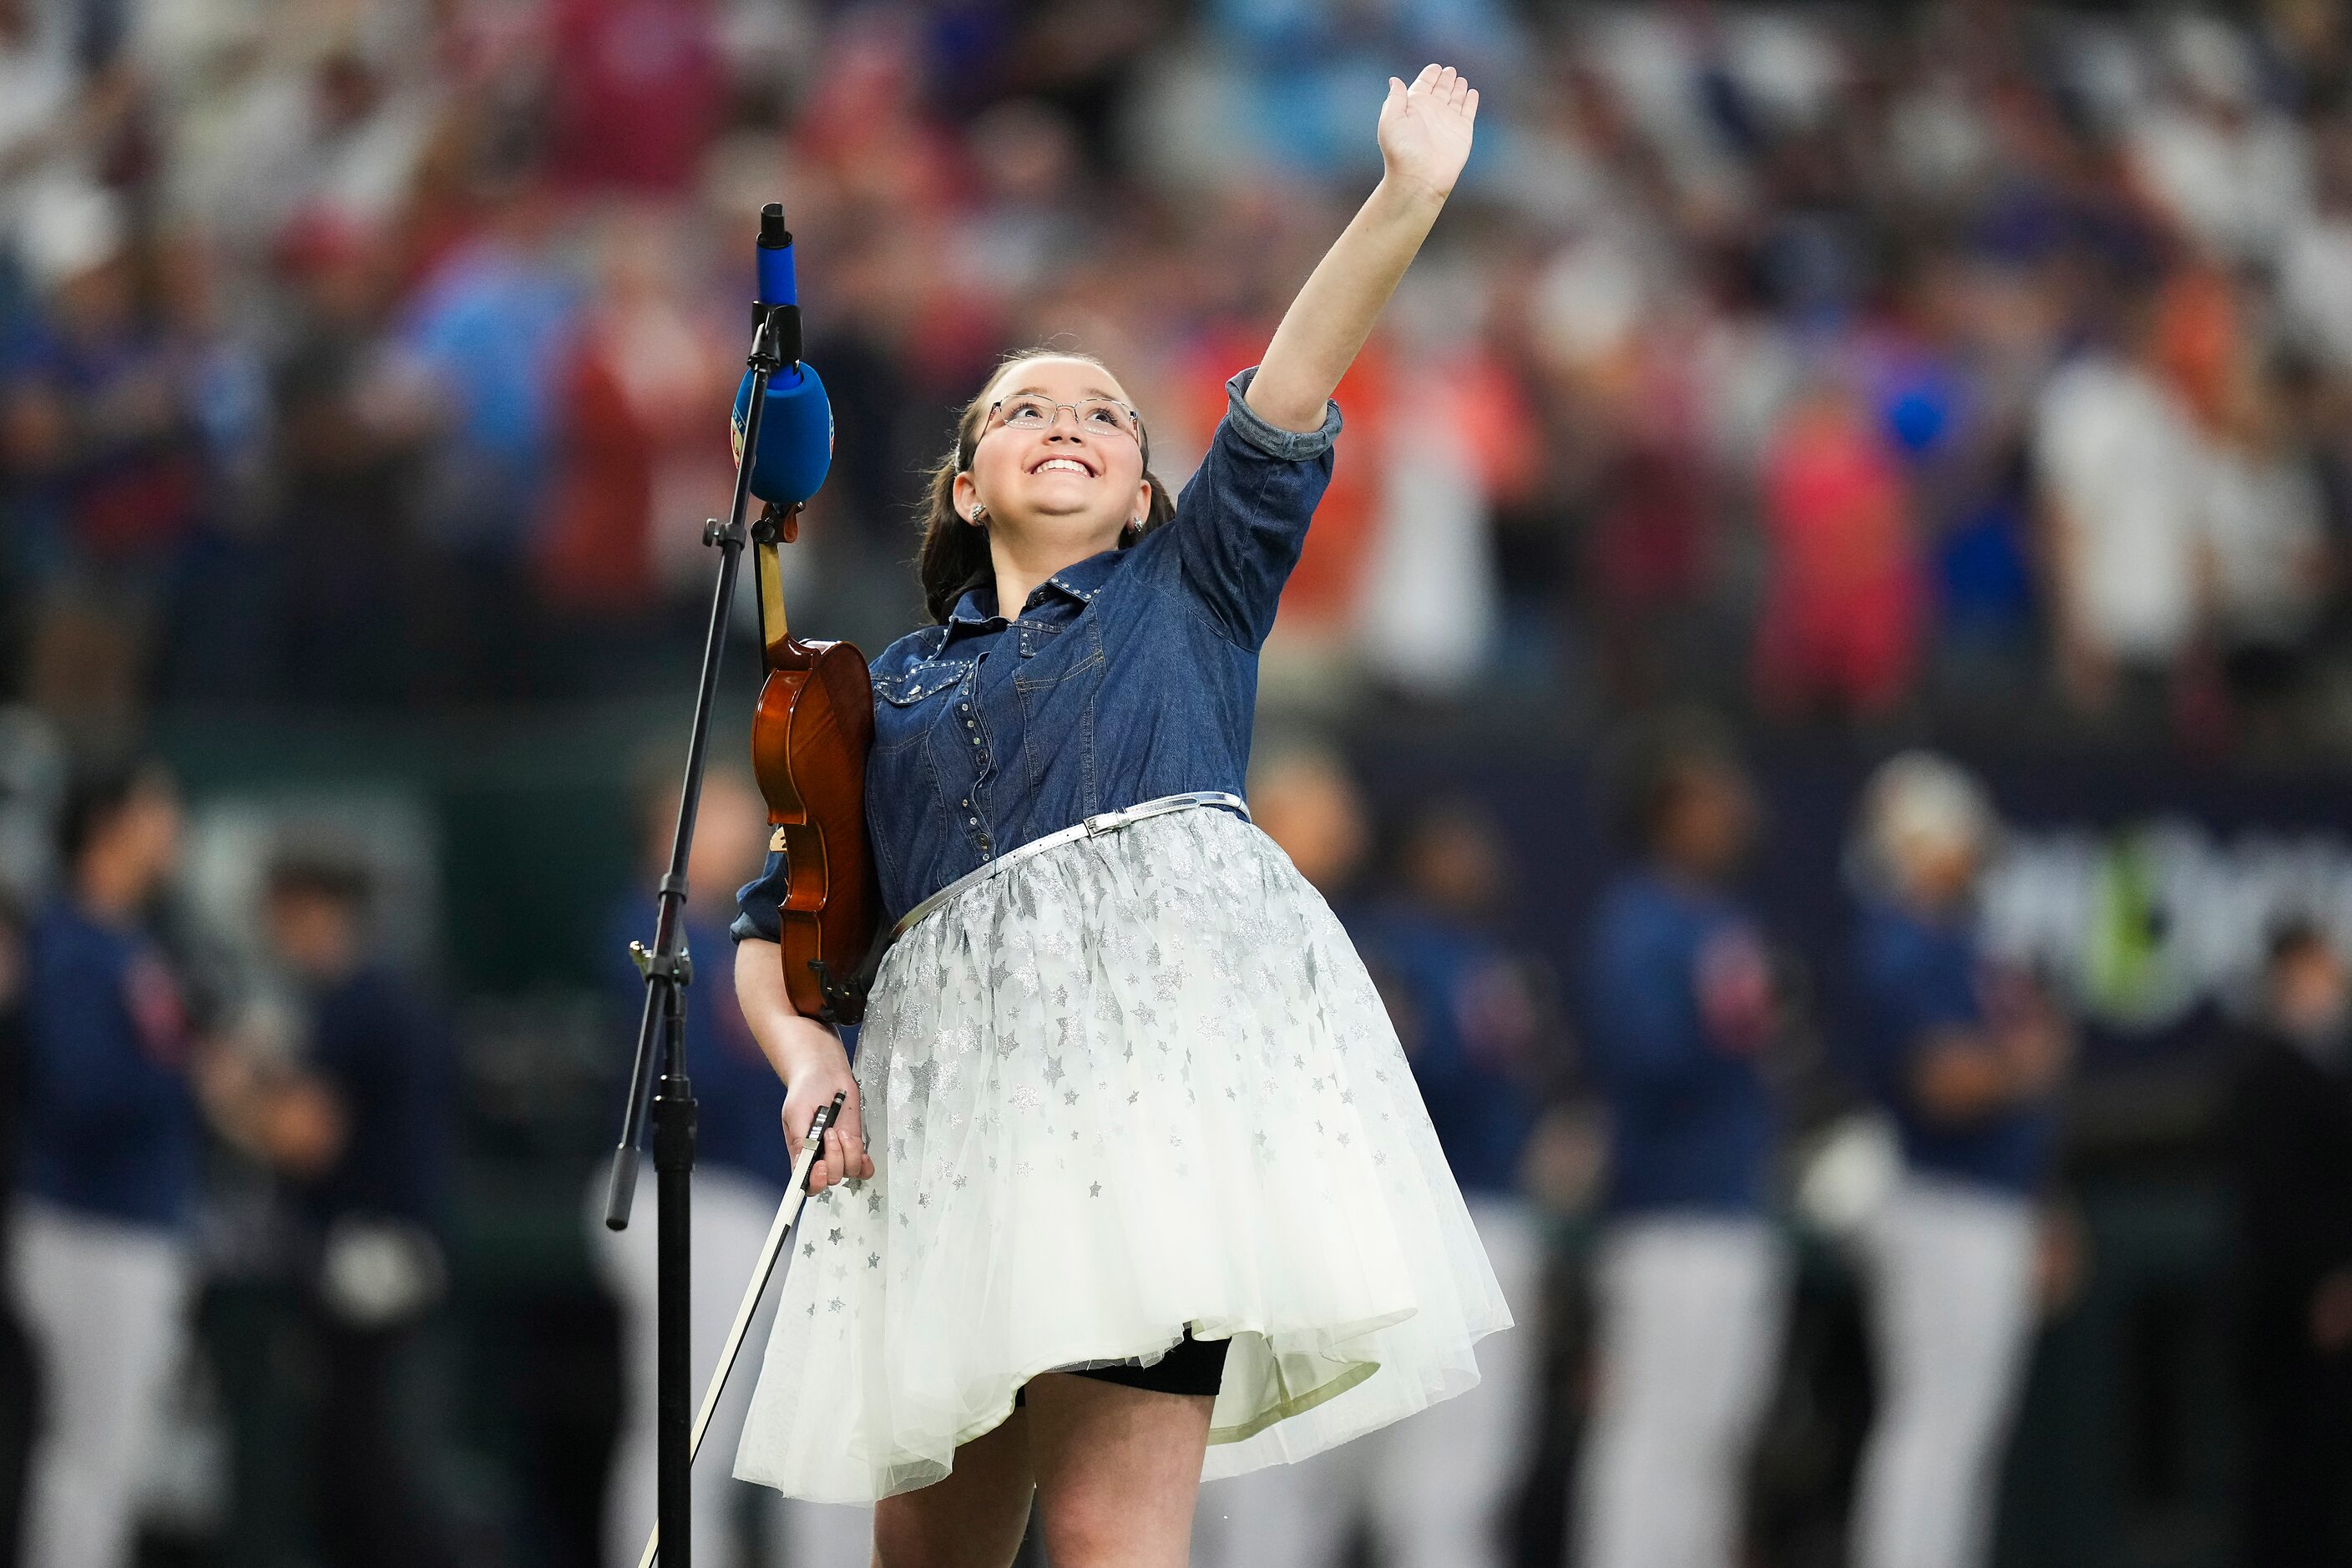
{"points": [[979, 517]]}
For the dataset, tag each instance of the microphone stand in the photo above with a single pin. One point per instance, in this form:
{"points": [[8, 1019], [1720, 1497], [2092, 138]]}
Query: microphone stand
{"points": [[668, 969]]}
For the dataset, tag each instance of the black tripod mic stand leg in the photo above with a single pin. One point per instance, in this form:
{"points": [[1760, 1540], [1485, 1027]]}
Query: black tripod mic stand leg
{"points": [[673, 1119], [788, 1214], [668, 969]]}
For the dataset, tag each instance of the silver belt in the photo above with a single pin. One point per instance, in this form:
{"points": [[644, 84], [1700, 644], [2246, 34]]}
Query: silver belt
{"points": [[1093, 827]]}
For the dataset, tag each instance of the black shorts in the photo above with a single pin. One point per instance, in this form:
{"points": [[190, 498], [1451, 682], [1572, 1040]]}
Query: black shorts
{"points": [[1193, 1366]]}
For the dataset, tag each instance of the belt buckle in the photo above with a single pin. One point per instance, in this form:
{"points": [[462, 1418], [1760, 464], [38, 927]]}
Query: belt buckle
{"points": [[1102, 822]]}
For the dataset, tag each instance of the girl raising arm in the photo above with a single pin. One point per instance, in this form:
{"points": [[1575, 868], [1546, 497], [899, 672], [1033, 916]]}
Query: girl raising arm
{"points": [[1424, 136], [1147, 1191]]}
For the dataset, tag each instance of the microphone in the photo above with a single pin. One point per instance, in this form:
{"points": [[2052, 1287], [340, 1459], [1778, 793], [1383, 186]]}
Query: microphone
{"points": [[796, 419]]}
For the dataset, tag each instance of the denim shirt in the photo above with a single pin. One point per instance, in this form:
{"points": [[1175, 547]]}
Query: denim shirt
{"points": [[1128, 676]]}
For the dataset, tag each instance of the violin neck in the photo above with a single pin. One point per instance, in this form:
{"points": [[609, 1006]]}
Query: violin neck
{"points": [[767, 570]]}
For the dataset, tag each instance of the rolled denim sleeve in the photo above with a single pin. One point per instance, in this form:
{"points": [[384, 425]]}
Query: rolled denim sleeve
{"points": [[1241, 520], [1273, 439], [759, 904]]}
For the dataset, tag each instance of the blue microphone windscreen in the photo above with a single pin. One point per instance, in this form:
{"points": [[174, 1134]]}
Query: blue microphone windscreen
{"points": [[777, 284], [795, 436]]}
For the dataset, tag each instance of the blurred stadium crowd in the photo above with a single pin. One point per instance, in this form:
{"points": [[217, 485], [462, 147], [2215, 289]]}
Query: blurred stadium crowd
{"points": [[1964, 355], [1961, 372]]}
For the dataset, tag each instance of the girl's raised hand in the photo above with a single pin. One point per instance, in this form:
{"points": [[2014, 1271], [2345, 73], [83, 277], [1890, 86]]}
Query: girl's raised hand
{"points": [[1424, 131]]}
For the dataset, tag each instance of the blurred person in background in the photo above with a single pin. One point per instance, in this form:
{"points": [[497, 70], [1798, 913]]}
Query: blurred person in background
{"points": [[475, 373], [220, 633], [343, 496], [325, 124], [102, 439], [1966, 1054], [2230, 168], [2121, 470], [1654, 546], [361, 1124], [1689, 1277], [1843, 607], [1950, 381], [638, 89], [1473, 1015], [635, 454], [741, 1165], [1306, 800], [66, 99], [2291, 1153], [108, 1148], [2270, 555], [2315, 281], [19, 1379], [40, 79]]}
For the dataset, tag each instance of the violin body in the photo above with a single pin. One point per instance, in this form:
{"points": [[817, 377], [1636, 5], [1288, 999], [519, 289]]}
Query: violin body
{"points": [[810, 738]]}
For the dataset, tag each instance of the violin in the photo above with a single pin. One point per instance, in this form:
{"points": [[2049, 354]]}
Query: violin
{"points": [[809, 744]]}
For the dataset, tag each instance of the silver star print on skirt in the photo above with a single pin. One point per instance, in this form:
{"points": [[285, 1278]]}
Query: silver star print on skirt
{"points": [[1136, 1083]]}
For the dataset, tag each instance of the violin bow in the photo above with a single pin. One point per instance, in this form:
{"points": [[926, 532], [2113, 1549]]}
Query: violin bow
{"points": [[787, 1215]]}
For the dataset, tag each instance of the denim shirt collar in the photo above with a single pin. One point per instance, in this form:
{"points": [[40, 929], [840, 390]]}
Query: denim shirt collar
{"points": [[1058, 599]]}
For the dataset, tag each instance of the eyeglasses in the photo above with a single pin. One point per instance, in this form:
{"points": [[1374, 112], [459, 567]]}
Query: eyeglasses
{"points": [[1096, 415]]}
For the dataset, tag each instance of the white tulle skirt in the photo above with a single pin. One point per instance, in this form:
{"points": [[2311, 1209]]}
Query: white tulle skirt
{"points": [[1135, 1084]]}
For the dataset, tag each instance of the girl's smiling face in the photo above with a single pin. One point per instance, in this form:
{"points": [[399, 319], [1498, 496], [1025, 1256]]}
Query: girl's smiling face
{"points": [[1077, 480]]}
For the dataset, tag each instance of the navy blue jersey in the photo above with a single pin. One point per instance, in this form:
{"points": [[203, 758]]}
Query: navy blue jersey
{"points": [[390, 1066], [1680, 997], [108, 1125], [1913, 978], [1474, 1029]]}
